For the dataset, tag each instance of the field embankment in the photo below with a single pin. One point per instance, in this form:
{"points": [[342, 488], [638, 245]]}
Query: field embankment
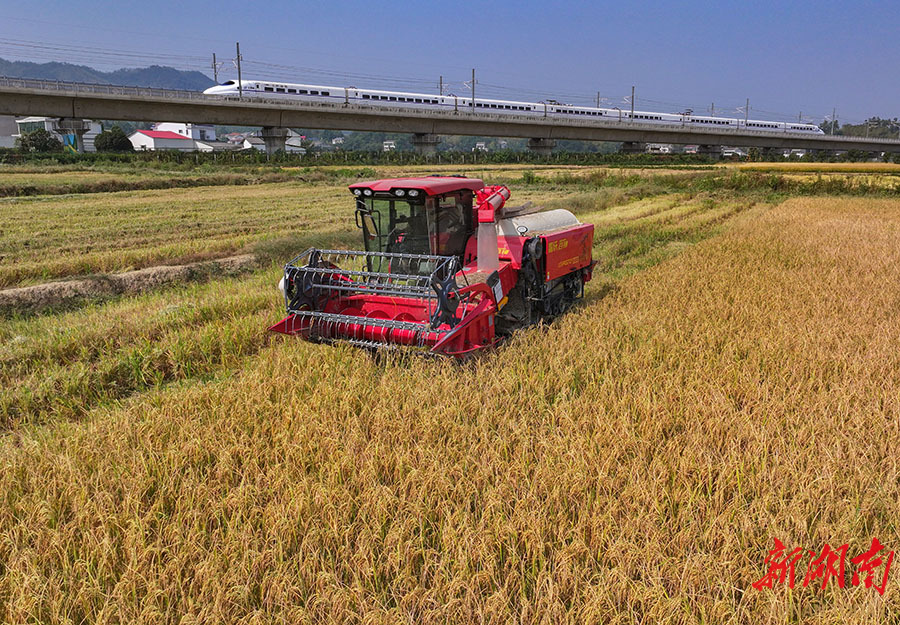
{"points": [[631, 463]]}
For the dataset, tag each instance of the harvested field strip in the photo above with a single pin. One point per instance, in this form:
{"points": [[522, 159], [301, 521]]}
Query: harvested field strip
{"points": [[645, 232], [632, 463], [641, 209], [61, 369], [63, 237], [20, 182]]}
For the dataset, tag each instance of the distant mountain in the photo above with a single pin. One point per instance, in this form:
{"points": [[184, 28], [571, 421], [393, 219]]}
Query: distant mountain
{"points": [[153, 76]]}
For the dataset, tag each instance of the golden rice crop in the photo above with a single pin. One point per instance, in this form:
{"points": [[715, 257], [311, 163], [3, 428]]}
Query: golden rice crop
{"points": [[630, 463], [865, 168]]}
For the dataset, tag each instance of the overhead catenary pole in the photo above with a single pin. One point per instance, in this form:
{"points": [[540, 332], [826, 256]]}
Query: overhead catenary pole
{"points": [[747, 112], [598, 99], [240, 85], [833, 120], [440, 85], [473, 89], [215, 69], [632, 104]]}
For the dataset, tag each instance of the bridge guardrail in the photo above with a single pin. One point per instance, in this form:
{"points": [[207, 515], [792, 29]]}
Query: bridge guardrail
{"points": [[196, 96]]}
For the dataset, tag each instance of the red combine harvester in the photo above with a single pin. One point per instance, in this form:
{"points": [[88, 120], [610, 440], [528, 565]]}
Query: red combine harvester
{"points": [[448, 268]]}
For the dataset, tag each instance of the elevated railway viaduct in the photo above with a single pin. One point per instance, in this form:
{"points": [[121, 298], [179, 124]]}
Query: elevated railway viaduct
{"points": [[73, 102]]}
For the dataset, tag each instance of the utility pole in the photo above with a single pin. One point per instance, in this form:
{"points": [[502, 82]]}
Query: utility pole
{"points": [[833, 120], [215, 69], [441, 85], [240, 85], [473, 89], [747, 112], [632, 104]]}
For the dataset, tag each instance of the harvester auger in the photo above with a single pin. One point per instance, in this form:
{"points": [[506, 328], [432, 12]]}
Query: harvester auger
{"points": [[448, 268]]}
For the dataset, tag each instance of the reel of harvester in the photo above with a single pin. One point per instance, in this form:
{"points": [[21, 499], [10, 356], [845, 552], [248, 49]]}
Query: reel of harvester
{"points": [[380, 299]]}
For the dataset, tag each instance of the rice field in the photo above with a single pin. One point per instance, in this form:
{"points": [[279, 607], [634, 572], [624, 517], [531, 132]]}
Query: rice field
{"points": [[812, 167], [731, 377]]}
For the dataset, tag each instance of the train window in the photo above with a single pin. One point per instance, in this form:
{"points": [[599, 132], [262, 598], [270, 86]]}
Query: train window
{"points": [[365, 96], [326, 93], [392, 98], [292, 91], [418, 100], [301, 91], [313, 92], [269, 89], [279, 90]]}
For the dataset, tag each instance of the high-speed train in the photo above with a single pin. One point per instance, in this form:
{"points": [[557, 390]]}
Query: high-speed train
{"points": [[267, 90]]}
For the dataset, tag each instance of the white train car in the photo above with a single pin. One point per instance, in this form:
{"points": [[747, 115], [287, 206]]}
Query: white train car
{"points": [[372, 97]]}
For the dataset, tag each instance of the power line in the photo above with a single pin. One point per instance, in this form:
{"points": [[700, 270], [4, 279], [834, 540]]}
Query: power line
{"points": [[88, 54]]}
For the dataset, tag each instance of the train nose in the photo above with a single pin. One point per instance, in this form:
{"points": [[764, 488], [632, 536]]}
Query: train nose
{"points": [[215, 90]]}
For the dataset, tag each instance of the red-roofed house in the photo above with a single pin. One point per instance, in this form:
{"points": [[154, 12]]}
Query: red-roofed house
{"points": [[161, 140]]}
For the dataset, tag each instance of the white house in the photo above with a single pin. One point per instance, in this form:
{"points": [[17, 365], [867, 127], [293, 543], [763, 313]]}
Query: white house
{"points": [[150, 140], [197, 132], [51, 125]]}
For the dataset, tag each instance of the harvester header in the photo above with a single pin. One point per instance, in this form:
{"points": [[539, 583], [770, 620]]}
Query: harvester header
{"points": [[447, 268]]}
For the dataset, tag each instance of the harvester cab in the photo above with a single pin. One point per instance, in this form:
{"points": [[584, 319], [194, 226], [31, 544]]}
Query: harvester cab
{"points": [[447, 268], [414, 220]]}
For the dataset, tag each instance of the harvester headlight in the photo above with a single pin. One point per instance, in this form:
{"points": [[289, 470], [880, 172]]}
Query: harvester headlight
{"points": [[413, 193], [357, 192], [399, 192], [367, 192]]}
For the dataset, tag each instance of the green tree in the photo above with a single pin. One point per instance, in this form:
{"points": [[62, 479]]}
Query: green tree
{"points": [[113, 140], [39, 140]]}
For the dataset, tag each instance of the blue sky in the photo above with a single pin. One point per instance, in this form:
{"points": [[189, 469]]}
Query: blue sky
{"points": [[787, 57]]}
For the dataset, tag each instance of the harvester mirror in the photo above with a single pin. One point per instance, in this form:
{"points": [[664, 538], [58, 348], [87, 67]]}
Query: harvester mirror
{"points": [[371, 229]]}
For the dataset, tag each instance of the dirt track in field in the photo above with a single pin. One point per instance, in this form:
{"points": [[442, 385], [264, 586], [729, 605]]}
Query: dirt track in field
{"points": [[56, 294]]}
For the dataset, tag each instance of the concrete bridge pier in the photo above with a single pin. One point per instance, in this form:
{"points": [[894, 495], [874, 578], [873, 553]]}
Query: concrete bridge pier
{"points": [[633, 147], [542, 147], [274, 138], [68, 126], [425, 143], [710, 150]]}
